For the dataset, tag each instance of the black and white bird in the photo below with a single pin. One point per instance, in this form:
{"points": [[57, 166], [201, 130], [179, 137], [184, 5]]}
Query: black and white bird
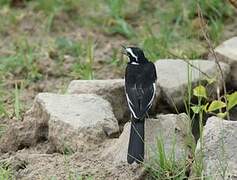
{"points": [[140, 89]]}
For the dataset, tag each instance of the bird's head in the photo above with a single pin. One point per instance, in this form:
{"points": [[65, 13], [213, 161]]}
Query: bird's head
{"points": [[135, 55]]}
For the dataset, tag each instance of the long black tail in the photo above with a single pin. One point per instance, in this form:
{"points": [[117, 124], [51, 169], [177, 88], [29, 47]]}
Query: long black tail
{"points": [[136, 143]]}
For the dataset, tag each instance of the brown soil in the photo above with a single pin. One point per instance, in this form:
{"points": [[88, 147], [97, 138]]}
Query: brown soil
{"points": [[34, 163]]}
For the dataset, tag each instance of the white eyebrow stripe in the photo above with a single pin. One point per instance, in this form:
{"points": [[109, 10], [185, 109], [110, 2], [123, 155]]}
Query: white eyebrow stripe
{"points": [[130, 51]]}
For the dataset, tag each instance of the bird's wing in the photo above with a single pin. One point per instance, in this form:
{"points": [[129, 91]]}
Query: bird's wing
{"points": [[133, 101], [148, 97], [140, 99]]}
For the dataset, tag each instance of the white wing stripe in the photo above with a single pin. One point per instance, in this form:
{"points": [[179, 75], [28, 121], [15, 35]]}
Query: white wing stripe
{"points": [[154, 92], [132, 111], [129, 101], [129, 105]]}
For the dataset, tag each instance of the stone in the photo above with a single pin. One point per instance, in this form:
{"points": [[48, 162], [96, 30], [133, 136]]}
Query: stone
{"points": [[171, 129], [227, 52], [69, 122], [173, 78], [219, 148], [112, 90]]}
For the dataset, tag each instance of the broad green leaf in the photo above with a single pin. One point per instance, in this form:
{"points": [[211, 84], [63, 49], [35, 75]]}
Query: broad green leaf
{"points": [[205, 107], [222, 115], [232, 100], [215, 105], [200, 91], [196, 109]]}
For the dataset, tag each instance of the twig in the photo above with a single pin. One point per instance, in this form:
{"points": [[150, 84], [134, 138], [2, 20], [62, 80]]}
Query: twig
{"points": [[187, 61], [212, 51], [182, 58]]}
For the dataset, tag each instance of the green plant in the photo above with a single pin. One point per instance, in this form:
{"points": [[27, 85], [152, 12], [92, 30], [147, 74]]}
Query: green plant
{"points": [[4, 2], [206, 105], [54, 7], [117, 59], [67, 150], [165, 166], [83, 68], [22, 63], [214, 107], [215, 9], [11, 19], [3, 111], [66, 46], [116, 22], [178, 29], [83, 54], [3, 94], [155, 47], [215, 13], [215, 30], [6, 173], [218, 108], [50, 8], [17, 104]]}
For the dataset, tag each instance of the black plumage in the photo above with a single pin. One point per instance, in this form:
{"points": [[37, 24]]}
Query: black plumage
{"points": [[140, 77]]}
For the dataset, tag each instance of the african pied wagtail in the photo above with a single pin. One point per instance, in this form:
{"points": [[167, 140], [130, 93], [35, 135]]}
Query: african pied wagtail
{"points": [[140, 89]]}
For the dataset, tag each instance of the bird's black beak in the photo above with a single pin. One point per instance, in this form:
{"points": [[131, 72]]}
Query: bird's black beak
{"points": [[124, 51]]}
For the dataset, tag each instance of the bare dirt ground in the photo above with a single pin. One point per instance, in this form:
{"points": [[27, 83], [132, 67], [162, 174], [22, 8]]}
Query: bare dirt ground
{"points": [[35, 163]]}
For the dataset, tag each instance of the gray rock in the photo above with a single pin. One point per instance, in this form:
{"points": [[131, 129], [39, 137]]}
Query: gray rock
{"points": [[70, 122], [227, 52], [171, 129], [118, 148], [173, 78], [219, 149], [111, 89]]}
